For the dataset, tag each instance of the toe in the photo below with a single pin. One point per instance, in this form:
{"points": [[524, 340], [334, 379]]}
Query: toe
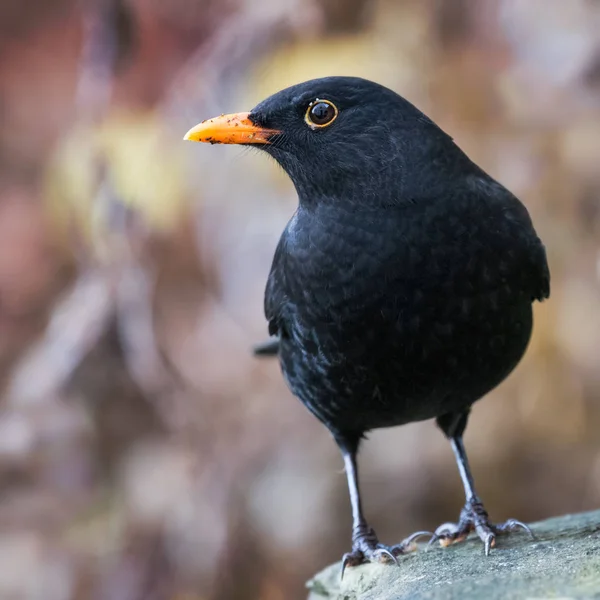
{"points": [[446, 529], [408, 544], [383, 554], [449, 533], [514, 525]]}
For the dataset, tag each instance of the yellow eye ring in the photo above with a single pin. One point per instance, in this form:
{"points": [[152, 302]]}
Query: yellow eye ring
{"points": [[320, 113]]}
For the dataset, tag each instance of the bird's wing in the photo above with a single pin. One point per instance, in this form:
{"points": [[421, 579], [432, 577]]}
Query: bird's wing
{"points": [[541, 289], [273, 303], [529, 257], [275, 297], [511, 242]]}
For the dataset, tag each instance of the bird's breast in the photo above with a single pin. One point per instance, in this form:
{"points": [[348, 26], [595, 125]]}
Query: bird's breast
{"points": [[336, 261], [403, 278]]}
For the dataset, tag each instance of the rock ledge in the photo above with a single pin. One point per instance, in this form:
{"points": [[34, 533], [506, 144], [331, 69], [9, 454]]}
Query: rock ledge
{"points": [[563, 562]]}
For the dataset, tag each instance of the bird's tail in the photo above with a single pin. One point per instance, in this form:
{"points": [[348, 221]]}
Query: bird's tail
{"points": [[268, 348]]}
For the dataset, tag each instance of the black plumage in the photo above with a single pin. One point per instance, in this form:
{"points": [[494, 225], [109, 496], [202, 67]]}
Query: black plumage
{"points": [[402, 287]]}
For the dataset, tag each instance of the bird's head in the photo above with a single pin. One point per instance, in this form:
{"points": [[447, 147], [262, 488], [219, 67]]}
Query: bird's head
{"points": [[343, 138]]}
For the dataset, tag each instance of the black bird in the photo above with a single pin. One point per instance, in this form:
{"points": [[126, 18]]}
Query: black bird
{"points": [[401, 288]]}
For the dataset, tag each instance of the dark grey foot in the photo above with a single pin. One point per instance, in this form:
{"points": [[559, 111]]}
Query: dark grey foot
{"points": [[474, 517], [367, 548]]}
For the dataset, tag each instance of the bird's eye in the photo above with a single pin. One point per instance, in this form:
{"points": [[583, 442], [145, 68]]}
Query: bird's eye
{"points": [[320, 113]]}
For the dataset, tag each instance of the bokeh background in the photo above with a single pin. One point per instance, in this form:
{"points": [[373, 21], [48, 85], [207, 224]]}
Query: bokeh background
{"points": [[144, 453]]}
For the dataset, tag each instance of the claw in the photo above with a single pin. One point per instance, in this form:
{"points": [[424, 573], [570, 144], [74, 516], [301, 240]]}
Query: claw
{"points": [[417, 534], [531, 534], [350, 559], [489, 543], [344, 565]]}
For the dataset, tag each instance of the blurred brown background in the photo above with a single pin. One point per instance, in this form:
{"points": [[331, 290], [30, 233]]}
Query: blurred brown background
{"points": [[144, 453]]}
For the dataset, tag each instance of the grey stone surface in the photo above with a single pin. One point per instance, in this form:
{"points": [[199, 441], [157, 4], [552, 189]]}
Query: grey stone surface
{"points": [[562, 562]]}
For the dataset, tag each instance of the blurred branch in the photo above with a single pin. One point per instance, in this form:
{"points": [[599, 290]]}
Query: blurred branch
{"points": [[74, 328], [108, 39]]}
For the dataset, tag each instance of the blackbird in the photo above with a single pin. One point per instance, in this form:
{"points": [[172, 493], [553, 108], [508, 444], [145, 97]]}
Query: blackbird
{"points": [[402, 287]]}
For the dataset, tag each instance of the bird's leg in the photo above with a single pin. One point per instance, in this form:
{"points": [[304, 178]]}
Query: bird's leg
{"points": [[473, 516], [365, 544]]}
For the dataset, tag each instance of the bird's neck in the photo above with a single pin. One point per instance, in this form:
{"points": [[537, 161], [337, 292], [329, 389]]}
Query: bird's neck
{"points": [[354, 194], [394, 185]]}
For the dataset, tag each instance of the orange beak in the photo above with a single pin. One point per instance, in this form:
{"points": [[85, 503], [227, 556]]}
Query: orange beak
{"points": [[230, 129]]}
